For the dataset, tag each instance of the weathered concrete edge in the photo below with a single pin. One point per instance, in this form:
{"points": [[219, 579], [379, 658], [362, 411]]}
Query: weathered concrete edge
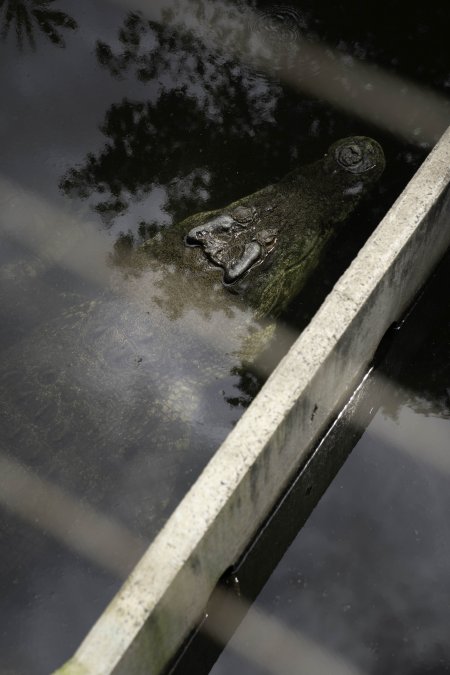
{"points": [[165, 594]]}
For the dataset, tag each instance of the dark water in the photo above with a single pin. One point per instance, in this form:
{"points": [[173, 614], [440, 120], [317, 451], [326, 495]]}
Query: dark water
{"points": [[366, 582], [113, 125]]}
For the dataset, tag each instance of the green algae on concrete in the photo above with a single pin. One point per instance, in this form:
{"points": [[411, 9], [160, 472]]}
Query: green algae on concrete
{"points": [[72, 667]]}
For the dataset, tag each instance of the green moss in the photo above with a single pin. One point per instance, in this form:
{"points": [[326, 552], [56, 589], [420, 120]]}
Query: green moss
{"points": [[71, 668]]}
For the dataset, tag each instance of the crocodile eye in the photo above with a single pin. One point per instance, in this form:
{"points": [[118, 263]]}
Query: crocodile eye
{"points": [[349, 156], [352, 158]]}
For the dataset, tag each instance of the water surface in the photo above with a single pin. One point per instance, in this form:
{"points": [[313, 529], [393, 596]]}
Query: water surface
{"points": [[113, 125]]}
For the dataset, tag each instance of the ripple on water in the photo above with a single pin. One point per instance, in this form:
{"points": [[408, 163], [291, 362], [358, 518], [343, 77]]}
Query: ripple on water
{"points": [[275, 37], [280, 24]]}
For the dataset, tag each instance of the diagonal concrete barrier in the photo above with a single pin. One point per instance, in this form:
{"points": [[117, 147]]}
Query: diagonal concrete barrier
{"points": [[164, 597]]}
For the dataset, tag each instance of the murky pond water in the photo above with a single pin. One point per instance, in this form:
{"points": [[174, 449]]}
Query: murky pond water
{"points": [[116, 386]]}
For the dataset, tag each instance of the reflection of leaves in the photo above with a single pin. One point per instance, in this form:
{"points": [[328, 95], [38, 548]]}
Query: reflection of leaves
{"points": [[249, 384], [209, 118], [29, 15], [145, 149], [423, 378], [210, 121]]}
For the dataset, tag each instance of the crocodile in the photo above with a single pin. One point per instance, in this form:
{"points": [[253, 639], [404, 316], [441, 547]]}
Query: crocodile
{"points": [[263, 247]]}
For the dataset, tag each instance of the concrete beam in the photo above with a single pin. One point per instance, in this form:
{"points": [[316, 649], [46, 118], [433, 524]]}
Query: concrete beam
{"points": [[165, 595]]}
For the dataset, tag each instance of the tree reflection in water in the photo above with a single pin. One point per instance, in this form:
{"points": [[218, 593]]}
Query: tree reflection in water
{"points": [[212, 129], [29, 16], [209, 123]]}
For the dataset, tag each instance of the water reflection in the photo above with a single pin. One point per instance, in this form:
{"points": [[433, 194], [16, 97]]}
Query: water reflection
{"points": [[217, 70], [282, 652], [201, 118], [103, 368], [427, 386], [378, 96], [90, 534], [28, 17], [95, 368]]}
